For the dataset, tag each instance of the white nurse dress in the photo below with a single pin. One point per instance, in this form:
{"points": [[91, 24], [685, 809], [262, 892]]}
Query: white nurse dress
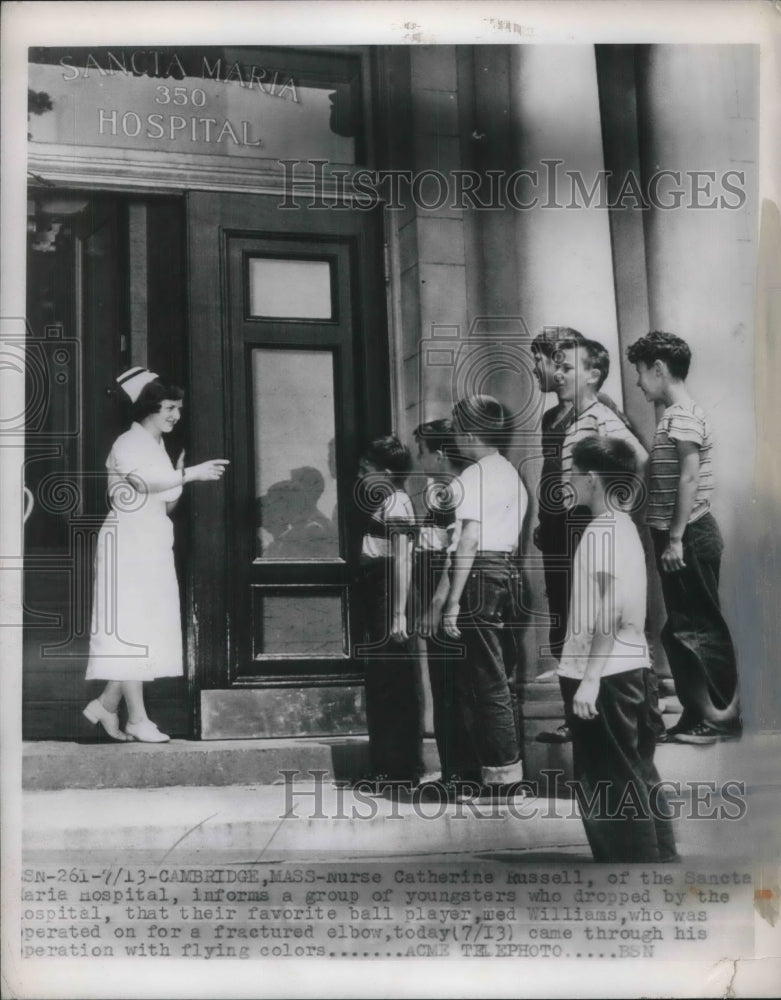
{"points": [[136, 630]]}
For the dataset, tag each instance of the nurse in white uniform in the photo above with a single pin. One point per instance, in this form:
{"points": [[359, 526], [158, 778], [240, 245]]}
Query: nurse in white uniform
{"points": [[136, 631]]}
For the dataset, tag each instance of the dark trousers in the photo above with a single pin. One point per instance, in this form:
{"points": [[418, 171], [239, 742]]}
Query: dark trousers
{"points": [[454, 745], [559, 537], [484, 673], [695, 637], [613, 758], [393, 698]]}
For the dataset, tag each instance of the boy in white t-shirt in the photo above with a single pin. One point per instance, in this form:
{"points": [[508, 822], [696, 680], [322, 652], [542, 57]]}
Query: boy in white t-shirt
{"points": [[605, 670], [480, 605]]}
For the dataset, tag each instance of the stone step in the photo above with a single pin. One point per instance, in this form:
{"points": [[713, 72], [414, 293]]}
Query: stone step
{"points": [[215, 763], [52, 765]]}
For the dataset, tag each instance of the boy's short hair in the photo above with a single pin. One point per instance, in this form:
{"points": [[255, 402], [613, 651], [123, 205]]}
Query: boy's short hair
{"points": [[389, 453], [611, 458], [435, 435], [596, 355], [151, 397], [482, 416], [545, 342], [660, 346]]}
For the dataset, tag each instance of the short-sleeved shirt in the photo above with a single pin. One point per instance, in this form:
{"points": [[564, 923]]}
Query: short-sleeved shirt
{"points": [[436, 526], [395, 513], [610, 546], [595, 419], [680, 422], [491, 492]]}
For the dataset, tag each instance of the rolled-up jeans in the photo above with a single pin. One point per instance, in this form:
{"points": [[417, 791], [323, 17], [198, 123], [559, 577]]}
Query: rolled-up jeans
{"points": [[454, 744], [484, 675], [696, 638]]}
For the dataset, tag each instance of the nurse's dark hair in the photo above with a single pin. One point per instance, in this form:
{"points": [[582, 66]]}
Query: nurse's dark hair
{"points": [[151, 397]]}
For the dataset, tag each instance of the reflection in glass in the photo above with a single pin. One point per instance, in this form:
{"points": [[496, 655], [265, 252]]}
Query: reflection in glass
{"points": [[297, 624], [296, 509], [289, 289]]}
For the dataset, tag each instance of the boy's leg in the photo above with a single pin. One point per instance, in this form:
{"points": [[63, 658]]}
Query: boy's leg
{"points": [[456, 752], [393, 704], [482, 677], [613, 765], [695, 636], [559, 537], [646, 747], [453, 744], [558, 563]]}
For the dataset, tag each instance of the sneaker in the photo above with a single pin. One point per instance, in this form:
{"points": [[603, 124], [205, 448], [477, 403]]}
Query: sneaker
{"points": [[560, 735], [450, 791], [371, 784], [383, 784], [672, 732], [701, 735]]}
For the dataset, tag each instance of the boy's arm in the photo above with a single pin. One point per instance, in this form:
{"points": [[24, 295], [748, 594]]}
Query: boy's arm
{"points": [[433, 614], [461, 563], [619, 426], [401, 546], [689, 460], [608, 620], [641, 455]]}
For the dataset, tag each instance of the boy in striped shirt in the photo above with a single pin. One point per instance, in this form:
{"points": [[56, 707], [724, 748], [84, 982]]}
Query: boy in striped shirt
{"points": [[581, 369], [688, 546]]}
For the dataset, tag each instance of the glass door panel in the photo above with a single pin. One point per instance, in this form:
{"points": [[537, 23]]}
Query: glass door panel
{"points": [[296, 504], [289, 289]]}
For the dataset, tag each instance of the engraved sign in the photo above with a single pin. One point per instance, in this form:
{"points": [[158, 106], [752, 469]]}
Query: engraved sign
{"points": [[218, 102]]}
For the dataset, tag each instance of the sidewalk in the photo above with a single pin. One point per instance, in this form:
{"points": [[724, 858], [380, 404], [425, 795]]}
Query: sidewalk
{"points": [[305, 819], [308, 814], [314, 821]]}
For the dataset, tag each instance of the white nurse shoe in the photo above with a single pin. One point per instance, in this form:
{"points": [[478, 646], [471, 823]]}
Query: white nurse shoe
{"points": [[96, 713], [146, 732]]}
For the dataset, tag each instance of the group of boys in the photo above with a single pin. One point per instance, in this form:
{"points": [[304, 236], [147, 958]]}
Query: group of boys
{"points": [[466, 581], [465, 589]]}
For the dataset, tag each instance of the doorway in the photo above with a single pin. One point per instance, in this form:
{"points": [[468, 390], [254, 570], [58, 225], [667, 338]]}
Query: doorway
{"points": [[105, 289]]}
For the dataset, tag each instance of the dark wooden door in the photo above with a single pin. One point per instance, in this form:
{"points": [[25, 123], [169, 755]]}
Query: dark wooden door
{"points": [[289, 376]]}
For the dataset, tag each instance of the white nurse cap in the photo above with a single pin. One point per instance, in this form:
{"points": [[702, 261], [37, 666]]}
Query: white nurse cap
{"points": [[134, 380]]}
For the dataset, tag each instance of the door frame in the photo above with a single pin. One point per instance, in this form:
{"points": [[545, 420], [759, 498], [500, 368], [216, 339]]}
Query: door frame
{"points": [[213, 220]]}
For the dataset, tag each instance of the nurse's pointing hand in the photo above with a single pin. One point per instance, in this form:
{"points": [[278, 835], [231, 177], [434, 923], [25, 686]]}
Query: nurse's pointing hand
{"points": [[207, 472]]}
